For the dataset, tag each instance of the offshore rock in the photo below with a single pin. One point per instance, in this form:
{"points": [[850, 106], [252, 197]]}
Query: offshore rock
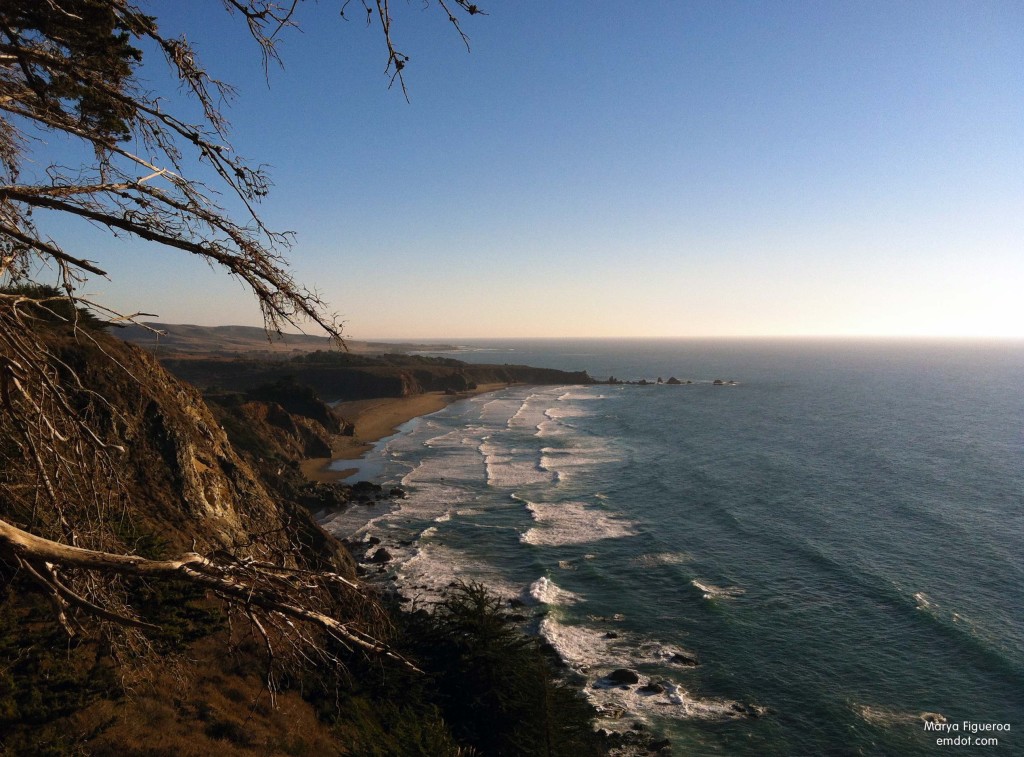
{"points": [[679, 658], [623, 675]]}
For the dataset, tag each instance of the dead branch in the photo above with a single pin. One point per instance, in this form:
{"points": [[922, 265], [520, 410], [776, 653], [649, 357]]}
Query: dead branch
{"points": [[69, 68], [251, 586]]}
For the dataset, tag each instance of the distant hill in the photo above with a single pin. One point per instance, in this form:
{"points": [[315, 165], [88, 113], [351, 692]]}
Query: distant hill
{"points": [[187, 338]]}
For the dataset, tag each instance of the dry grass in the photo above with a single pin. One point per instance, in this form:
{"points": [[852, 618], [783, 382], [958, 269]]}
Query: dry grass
{"points": [[217, 707]]}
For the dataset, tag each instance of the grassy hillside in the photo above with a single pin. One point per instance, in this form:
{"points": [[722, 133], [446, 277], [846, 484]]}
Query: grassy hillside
{"points": [[191, 339]]}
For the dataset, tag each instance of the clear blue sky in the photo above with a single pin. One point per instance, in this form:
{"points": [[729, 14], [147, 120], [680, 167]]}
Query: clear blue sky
{"points": [[629, 169]]}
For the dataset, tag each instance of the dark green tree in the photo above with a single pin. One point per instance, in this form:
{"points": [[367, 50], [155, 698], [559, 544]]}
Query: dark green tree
{"points": [[495, 685]]}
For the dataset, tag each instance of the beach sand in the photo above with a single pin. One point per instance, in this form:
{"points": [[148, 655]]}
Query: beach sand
{"points": [[374, 419]]}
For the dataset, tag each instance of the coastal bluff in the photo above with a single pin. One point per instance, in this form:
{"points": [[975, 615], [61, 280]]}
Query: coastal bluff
{"points": [[242, 358], [218, 477], [338, 376]]}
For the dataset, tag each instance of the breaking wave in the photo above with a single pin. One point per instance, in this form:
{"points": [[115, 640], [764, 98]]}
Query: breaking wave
{"points": [[573, 523]]}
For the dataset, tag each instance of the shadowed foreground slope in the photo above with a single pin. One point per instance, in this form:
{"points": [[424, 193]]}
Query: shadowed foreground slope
{"points": [[202, 674]]}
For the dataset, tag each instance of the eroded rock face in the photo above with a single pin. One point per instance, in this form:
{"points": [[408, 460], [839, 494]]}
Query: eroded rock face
{"points": [[178, 476], [181, 470], [295, 435]]}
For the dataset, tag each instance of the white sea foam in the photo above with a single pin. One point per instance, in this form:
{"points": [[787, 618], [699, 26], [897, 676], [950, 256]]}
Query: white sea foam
{"points": [[510, 467], [663, 558], [885, 716], [573, 523], [551, 427], [500, 410], [455, 438], [593, 654], [580, 647], [576, 456], [717, 592], [530, 413], [427, 571], [441, 482], [575, 395], [431, 501], [545, 591], [354, 519], [560, 412], [924, 602]]}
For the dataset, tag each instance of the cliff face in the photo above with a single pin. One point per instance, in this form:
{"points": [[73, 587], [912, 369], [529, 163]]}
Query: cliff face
{"points": [[180, 474], [342, 377], [295, 436], [178, 484]]}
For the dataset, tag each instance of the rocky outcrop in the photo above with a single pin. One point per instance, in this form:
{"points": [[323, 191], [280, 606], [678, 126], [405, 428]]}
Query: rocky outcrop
{"points": [[623, 675], [294, 435], [179, 477]]}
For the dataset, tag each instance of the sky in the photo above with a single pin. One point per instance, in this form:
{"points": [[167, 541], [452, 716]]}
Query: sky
{"points": [[710, 169]]}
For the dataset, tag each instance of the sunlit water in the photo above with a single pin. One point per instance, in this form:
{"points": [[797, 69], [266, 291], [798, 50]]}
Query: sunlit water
{"points": [[838, 539]]}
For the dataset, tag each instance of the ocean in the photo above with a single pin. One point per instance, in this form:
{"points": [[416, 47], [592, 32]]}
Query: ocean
{"points": [[837, 538]]}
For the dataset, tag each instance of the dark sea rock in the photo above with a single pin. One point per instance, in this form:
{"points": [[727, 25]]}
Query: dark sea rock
{"points": [[320, 496], [680, 658], [623, 675], [659, 746], [750, 710], [367, 492], [673, 380], [381, 556], [652, 688]]}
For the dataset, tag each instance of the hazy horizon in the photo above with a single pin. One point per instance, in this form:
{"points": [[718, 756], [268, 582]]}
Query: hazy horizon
{"points": [[633, 337]]}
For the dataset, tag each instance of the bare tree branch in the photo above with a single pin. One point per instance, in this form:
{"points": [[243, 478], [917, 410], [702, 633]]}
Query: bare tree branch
{"points": [[68, 68]]}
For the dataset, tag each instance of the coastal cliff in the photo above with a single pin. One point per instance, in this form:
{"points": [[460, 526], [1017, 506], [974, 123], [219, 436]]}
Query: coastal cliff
{"points": [[338, 376], [221, 475]]}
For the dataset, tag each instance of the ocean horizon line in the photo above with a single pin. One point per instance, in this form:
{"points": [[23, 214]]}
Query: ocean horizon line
{"points": [[733, 338]]}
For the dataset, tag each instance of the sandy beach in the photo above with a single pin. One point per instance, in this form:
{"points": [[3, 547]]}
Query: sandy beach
{"points": [[375, 419]]}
